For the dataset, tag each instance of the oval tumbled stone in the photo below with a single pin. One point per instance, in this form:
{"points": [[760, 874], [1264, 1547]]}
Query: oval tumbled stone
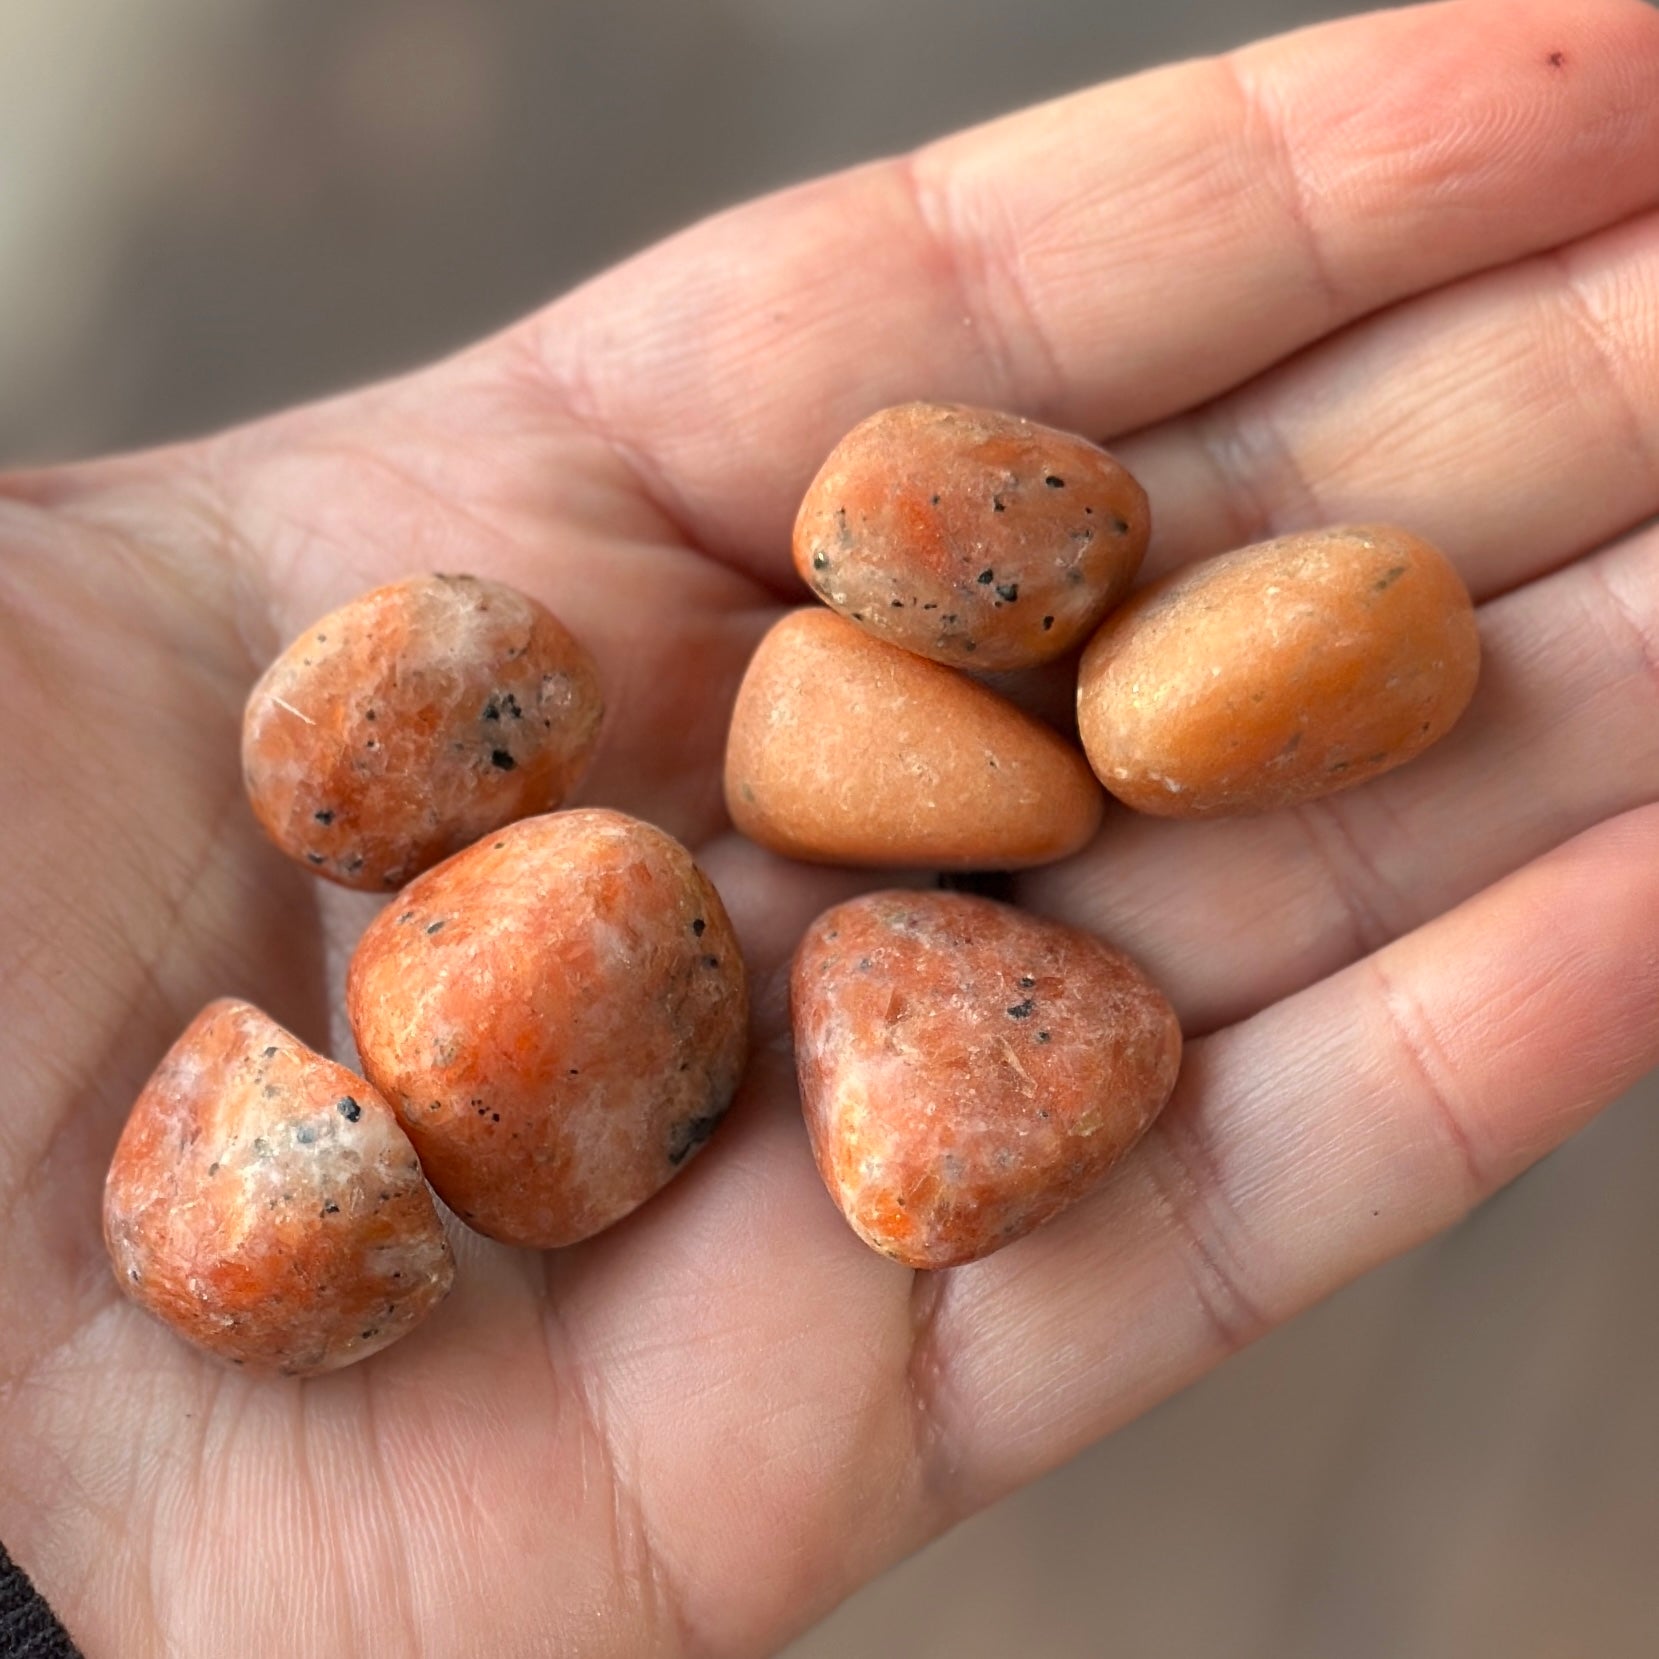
{"points": [[1278, 673], [403, 726], [968, 1070], [560, 1016], [978, 539], [847, 750]]}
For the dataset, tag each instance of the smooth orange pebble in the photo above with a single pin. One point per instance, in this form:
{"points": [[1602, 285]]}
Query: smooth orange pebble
{"points": [[413, 720], [559, 1016], [1278, 673], [968, 1070], [978, 539], [847, 750], [264, 1203]]}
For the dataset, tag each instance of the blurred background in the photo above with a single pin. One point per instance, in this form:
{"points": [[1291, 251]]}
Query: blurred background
{"points": [[209, 208]]}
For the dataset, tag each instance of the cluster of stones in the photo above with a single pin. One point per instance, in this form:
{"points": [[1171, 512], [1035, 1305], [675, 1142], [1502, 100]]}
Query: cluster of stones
{"points": [[551, 1013], [968, 1070]]}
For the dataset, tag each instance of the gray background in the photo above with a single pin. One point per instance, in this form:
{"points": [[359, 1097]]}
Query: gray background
{"points": [[212, 207]]}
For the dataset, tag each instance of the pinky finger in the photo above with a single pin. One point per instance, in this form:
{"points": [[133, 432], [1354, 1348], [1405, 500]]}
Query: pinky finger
{"points": [[1305, 1145]]}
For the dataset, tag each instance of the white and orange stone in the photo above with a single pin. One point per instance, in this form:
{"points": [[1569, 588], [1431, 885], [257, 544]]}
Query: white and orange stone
{"points": [[263, 1202], [559, 1016], [408, 723], [968, 1070]]}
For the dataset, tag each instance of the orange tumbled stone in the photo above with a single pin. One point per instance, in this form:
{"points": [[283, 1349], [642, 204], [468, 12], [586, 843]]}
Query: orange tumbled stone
{"points": [[847, 750], [413, 720], [1278, 673], [560, 1017], [968, 1070], [978, 539], [264, 1203]]}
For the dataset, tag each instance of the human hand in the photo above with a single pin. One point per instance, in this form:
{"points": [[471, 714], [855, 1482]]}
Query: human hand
{"points": [[1402, 267]]}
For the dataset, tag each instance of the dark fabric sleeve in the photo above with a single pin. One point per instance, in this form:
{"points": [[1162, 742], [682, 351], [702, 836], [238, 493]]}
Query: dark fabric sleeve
{"points": [[27, 1628]]}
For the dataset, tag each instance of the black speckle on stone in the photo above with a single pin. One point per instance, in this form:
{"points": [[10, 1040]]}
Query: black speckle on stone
{"points": [[1388, 578], [1022, 1010], [1048, 622], [354, 864], [1089, 511], [820, 561], [949, 619], [348, 1108], [368, 714], [509, 703], [495, 1117], [698, 925], [371, 744], [933, 501], [213, 1169], [998, 505], [575, 1071], [1026, 982], [314, 858], [497, 846], [985, 578], [864, 964], [1008, 591], [930, 606], [1120, 526], [1042, 1036], [371, 1332], [492, 710], [434, 927], [331, 1209], [690, 1133], [323, 815], [1557, 60], [500, 758], [895, 604], [407, 916], [711, 961], [271, 1053], [1054, 483]]}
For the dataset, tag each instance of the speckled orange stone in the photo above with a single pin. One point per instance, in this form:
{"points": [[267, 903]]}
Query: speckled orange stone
{"points": [[408, 723], [968, 1070], [264, 1203], [847, 750], [977, 539], [559, 1016], [1278, 673]]}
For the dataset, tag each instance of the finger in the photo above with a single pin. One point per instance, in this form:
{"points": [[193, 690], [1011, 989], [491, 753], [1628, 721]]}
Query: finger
{"points": [[1109, 259], [1305, 1146], [1230, 916], [1513, 419]]}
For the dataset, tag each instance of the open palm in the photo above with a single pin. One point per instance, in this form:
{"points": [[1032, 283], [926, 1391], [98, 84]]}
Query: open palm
{"points": [[1404, 267]]}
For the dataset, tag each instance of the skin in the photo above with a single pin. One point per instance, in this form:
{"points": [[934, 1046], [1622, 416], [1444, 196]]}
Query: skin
{"points": [[699, 1431]]}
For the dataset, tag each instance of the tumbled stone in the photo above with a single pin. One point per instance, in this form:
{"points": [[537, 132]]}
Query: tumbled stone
{"points": [[1278, 673], [408, 723], [559, 1016], [968, 1070], [264, 1203], [978, 539], [847, 750]]}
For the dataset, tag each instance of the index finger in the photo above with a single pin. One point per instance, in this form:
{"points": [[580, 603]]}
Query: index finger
{"points": [[1111, 258]]}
